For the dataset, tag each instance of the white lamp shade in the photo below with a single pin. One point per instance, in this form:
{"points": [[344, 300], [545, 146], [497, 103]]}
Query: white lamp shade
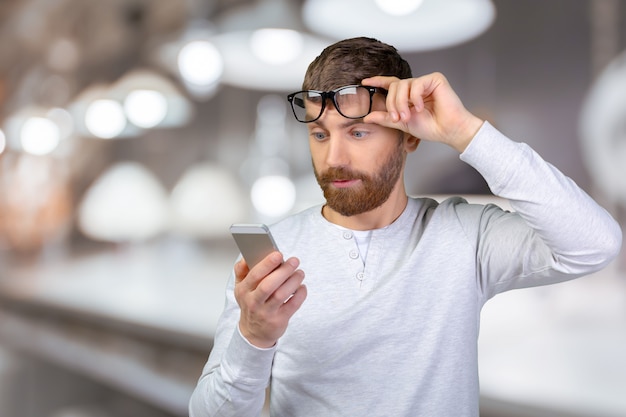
{"points": [[206, 201], [125, 204], [265, 46], [435, 24], [177, 109], [243, 68]]}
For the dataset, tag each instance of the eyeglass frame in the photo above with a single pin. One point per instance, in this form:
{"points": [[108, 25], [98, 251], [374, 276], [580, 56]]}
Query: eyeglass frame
{"points": [[330, 95]]}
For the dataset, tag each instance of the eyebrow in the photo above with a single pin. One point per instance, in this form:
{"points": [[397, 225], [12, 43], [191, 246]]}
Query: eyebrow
{"points": [[347, 123]]}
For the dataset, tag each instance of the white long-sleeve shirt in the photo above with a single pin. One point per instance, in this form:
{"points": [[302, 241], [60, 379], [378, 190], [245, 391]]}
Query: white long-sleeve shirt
{"points": [[397, 335]]}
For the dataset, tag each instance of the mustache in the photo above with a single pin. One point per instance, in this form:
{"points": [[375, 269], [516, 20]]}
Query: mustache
{"points": [[339, 173]]}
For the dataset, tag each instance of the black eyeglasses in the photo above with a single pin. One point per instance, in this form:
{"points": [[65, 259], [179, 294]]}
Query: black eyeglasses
{"points": [[351, 101]]}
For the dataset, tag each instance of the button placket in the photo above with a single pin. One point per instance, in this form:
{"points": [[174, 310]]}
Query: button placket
{"points": [[354, 254]]}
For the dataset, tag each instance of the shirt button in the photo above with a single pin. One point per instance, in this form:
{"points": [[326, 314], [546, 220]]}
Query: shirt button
{"points": [[360, 276], [354, 254], [347, 235]]}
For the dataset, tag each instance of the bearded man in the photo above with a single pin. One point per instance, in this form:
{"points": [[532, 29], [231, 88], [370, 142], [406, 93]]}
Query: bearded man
{"points": [[387, 323]]}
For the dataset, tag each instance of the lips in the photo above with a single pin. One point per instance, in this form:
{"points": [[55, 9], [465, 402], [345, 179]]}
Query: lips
{"points": [[345, 183], [339, 177]]}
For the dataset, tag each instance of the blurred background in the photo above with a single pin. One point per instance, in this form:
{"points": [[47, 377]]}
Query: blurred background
{"points": [[134, 132]]}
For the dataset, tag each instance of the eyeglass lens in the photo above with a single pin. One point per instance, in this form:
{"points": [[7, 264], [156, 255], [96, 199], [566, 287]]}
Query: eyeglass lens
{"points": [[351, 101]]}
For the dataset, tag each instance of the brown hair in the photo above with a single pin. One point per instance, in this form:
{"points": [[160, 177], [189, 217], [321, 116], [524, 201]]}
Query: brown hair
{"points": [[349, 61]]}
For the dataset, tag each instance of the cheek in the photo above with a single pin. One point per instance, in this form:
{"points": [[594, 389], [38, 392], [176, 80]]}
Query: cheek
{"points": [[372, 162], [317, 158]]}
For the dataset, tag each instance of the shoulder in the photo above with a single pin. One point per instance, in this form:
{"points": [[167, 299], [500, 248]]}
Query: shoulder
{"points": [[296, 220], [300, 226], [470, 209]]}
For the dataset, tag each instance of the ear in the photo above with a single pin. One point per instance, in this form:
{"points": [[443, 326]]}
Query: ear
{"points": [[410, 143]]}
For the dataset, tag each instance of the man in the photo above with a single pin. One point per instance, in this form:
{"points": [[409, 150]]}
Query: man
{"points": [[387, 324]]}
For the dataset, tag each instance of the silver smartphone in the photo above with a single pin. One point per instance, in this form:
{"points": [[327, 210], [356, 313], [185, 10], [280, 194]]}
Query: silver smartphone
{"points": [[254, 241]]}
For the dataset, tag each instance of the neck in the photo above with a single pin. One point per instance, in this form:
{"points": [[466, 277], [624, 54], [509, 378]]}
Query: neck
{"points": [[380, 217]]}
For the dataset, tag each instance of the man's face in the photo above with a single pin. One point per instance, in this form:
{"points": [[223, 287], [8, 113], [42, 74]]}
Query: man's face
{"points": [[357, 165]]}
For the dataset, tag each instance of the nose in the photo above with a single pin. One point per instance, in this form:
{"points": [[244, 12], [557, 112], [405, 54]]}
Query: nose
{"points": [[336, 152], [336, 147]]}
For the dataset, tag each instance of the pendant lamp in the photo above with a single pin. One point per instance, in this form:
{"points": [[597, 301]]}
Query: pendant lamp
{"points": [[409, 25], [264, 46]]}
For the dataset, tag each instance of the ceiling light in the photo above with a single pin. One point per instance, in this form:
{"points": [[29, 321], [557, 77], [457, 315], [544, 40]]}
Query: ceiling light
{"points": [[151, 100], [265, 46], [145, 108], [126, 203], [398, 7], [243, 68], [3, 141], [273, 195], [433, 24], [200, 63], [105, 118], [39, 136], [276, 46], [206, 200], [192, 58]]}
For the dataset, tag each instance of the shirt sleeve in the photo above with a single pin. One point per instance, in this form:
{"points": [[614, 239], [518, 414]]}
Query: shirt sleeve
{"points": [[560, 232], [235, 377]]}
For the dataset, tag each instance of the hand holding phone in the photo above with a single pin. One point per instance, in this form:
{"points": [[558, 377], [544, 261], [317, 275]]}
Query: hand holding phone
{"points": [[254, 241], [265, 310]]}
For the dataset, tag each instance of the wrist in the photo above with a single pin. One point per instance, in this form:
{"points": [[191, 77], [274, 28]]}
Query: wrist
{"points": [[467, 132], [254, 341]]}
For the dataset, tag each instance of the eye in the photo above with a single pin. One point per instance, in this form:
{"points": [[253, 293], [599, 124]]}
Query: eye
{"points": [[359, 134], [318, 135]]}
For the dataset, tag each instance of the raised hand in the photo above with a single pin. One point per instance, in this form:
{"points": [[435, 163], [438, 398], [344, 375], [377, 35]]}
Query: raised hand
{"points": [[425, 107]]}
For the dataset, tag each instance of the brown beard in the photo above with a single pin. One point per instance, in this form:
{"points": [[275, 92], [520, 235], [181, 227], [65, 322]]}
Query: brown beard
{"points": [[373, 191]]}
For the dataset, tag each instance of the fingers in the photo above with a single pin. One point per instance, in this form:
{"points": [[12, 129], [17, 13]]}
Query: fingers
{"points": [[280, 284], [292, 305], [251, 277], [271, 281], [379, 81], [268, 296], [406, 96], [390, 84]]}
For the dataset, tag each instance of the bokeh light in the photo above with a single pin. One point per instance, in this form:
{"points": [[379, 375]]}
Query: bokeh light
{"points": [[200, 63], [105, 118], [145, 108], [3, 141], [39, 136], [273, 195]]}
